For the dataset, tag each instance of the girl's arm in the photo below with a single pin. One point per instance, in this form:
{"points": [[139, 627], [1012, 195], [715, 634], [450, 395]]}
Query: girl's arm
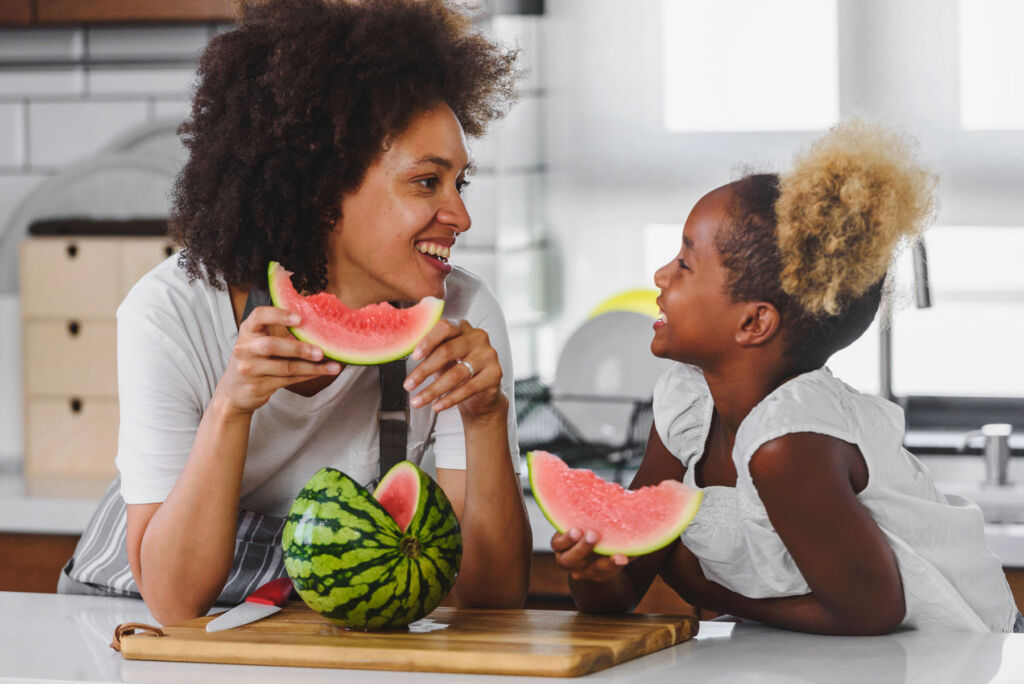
{"points": [[808, 484], [497, 543], [180, 551], [602, 584]]}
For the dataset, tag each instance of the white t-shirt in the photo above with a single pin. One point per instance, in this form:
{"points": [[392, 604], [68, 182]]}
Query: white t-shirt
{"points": [[174, 341], [951, 580]]}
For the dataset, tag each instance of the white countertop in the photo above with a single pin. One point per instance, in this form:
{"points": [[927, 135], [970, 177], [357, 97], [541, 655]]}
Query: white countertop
{"points": [[48, 637]]}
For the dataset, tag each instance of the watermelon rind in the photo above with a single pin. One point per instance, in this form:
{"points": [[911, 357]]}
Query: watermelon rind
{"points": [[350, 562], [673, 529], [399, 348]]}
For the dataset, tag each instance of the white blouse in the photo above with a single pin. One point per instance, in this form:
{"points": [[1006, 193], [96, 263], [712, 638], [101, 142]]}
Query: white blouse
{"points": [[951, 580]]}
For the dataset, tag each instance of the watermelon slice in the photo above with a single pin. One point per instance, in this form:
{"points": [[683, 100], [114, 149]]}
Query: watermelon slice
{"points": [[398, 492], [369, 336], [631, 522]]}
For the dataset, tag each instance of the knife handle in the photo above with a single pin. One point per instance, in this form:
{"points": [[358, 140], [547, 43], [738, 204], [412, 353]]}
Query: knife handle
{"points": [[273, 593]]}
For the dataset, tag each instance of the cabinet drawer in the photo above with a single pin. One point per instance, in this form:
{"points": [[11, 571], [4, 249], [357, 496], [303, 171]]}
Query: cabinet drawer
{"points": [[70, 436], [70, 277], [139, 256], [70, 357]]}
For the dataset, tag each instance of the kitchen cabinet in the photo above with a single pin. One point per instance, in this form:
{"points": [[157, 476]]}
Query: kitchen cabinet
{"points": [[50, 12], [16, 12], [32, 562], [71, 287]]}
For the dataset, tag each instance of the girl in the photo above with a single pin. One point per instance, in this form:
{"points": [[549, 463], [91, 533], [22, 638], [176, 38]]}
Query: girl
{"points": [[814, 517], [329, 136]]}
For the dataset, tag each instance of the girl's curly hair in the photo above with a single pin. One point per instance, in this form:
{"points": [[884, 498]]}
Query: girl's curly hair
{"points": [[295, 103], [817, 241]]}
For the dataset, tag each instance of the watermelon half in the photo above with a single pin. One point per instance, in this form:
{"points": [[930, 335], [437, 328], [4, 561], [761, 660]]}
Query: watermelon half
{"points": [[369, 336], [629, 521], [372, 561]]}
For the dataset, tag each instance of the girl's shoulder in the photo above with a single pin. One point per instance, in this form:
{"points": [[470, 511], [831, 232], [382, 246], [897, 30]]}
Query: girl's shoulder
{"points": [[818, 402]]}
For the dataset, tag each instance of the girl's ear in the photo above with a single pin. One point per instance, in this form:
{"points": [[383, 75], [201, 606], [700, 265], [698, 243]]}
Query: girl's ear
{"points": [[759, 323]]}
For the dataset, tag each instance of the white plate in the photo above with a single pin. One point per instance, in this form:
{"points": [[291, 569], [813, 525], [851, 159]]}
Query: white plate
{"points": [[609, 356]]}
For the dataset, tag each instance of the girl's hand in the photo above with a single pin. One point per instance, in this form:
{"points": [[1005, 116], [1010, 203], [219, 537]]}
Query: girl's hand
{"points": [[574, 551], [465, 367], [265, 359]]}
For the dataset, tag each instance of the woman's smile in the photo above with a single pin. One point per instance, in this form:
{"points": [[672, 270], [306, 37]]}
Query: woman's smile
{"points": [[437, 252]]}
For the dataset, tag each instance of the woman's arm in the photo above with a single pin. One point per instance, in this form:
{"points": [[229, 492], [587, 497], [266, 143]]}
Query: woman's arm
{"points": [[180, 551], [496, 536], [807, 484], [487, 496], [602, 584]]}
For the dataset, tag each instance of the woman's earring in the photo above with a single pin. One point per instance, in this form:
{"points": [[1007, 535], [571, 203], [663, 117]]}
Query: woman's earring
{"points": [[332, 215]]}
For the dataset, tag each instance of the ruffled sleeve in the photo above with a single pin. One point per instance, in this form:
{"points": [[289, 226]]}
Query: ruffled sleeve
{"points": [[682, 411]]}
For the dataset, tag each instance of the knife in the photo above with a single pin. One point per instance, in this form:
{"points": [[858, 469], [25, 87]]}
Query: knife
{"points": [[265, 601]]}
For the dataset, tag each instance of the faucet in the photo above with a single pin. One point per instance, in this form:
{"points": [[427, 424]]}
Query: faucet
{"points": [[922, 299], [997, 451]]}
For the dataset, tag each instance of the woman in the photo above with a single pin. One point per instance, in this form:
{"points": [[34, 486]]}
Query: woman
{"points": [[328, 136]]}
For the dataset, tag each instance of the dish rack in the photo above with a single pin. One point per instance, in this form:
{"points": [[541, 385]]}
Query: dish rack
{"points": [[542, 425]]}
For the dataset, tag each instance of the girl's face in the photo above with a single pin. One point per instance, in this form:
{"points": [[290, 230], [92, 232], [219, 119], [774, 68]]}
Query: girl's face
{"points": [[394, 238], [698, 317]]}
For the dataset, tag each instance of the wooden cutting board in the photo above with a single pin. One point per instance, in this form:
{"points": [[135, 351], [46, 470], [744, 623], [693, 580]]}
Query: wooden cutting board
{"points": [[549, 643]]}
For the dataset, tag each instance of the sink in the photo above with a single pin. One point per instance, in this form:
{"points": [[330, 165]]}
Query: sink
{"points": [[963, 476]]}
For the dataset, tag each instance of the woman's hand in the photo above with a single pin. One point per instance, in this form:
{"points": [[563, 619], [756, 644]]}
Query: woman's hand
{"points": [[574, 551], [264, 360], [465, 367]]}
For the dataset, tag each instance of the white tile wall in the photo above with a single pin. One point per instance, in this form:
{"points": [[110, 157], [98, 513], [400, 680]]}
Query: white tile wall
{"points": [[172, 81], [17, 84], [62, 133], [147, 41], [171, 109], [41, 44], [12, 134], [13, 189]]}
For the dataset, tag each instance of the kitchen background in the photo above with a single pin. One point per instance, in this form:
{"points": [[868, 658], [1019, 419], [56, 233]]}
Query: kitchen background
{"points": [[629, 113]]}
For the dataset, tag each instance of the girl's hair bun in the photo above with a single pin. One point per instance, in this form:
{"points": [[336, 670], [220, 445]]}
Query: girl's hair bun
{"points": [[842, 210]]}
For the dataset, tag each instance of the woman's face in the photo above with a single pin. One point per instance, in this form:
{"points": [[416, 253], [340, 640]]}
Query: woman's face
{"points": [[698, 317], [394, 238]]}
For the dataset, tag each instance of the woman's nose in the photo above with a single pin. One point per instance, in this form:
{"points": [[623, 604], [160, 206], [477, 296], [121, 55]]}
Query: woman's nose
{"points": [[454, 213]]}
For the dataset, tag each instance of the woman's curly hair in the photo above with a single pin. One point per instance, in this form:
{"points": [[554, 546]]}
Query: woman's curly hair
{"points": [[295, 103], [817, 241]]}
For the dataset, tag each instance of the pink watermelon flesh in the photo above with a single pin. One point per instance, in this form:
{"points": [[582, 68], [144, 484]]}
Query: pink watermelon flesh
{"points": [[399, 494], [631, 522], [372, 335]]}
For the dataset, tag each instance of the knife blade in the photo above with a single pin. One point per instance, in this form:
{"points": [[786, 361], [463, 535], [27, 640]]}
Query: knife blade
{"points": [[265, 601]]}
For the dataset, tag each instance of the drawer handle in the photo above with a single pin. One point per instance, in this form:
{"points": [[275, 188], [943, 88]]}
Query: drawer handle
{"points": [[74, 328], [76, 405], [72, 250], [168, 250]]}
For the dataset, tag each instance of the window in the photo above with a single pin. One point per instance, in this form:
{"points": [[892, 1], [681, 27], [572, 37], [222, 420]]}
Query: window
{"points": [[736, 65], [991, 64]]}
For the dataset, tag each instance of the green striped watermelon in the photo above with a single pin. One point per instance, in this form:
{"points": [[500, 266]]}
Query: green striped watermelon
{"points": [[372, 561]]}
